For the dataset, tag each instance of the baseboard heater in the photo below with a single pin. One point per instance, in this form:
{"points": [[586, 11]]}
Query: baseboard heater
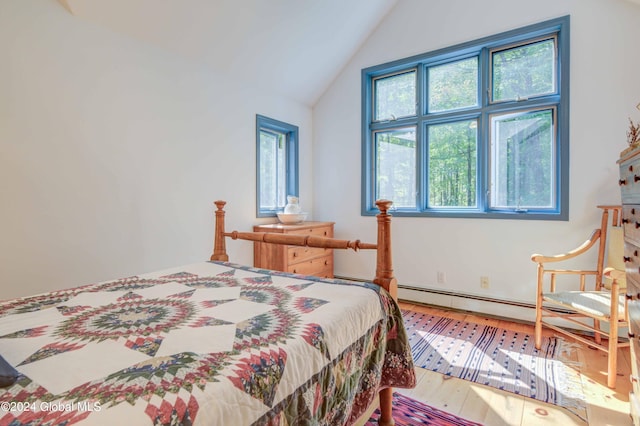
{"points": [[464, 296], [469, 296]]}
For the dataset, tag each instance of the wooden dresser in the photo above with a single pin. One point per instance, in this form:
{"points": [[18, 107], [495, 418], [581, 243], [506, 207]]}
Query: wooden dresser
{"points": [[630, 191], [299, 260]]}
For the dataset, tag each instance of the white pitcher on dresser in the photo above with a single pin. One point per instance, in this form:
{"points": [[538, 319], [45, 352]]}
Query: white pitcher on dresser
{"points": [[292, 206]]}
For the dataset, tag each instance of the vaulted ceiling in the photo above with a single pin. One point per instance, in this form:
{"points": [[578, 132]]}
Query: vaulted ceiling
{"points": [[292, 47]]}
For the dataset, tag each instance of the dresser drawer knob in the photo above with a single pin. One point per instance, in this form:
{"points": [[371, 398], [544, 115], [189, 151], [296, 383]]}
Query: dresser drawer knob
{"points": [[636, 178], [632, 335], [631, 168], [633, 211], [326, 262], [624, 258], [295, 254], [624, 220], [622, 182], [637, 225], [628, 296]]}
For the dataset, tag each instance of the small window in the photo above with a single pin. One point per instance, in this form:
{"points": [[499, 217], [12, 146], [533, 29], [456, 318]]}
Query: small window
{"points": [[277, 164], [453, 85], [524, 72], [395, 96]]}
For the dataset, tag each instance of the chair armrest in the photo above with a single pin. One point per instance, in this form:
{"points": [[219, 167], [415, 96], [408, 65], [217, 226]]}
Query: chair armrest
{"points": [[614, 274], [540, 258]]}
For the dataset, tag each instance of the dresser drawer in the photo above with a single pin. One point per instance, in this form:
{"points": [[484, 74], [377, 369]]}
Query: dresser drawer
{"points": [[630, 180], [633, 287], [635, 350], [297, 254], [320, 266], [634, 313], [631, 223], [292, 258], [632, 261], [321, 231]]}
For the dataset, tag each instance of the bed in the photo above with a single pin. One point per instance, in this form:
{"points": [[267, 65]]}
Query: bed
{"points": [[212, 343]]}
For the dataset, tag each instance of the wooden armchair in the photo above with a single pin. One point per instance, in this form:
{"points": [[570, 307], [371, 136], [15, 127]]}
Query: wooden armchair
{"points": [[586, 309]]}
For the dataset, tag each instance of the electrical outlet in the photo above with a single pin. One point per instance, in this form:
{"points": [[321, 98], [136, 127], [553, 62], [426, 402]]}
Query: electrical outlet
{"points": [[484, 282], [441, 277]]}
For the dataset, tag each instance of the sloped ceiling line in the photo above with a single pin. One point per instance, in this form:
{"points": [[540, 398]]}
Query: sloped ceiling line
{"points": [[293, 48]]}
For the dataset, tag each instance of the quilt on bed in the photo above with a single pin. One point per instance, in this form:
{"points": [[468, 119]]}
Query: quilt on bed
{"points": [[206, 344]]}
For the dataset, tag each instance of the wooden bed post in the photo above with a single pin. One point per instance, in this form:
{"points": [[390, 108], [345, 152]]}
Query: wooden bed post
{"points": [[385, 279], [219, 247], [384, 263]]}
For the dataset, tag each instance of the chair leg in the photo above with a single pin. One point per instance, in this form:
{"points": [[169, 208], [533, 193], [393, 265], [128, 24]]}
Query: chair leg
{"points": [[538, 329], [538, 332], [597, 336], [612, 368]]}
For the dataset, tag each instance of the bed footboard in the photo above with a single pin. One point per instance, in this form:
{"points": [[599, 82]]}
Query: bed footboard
{"points": [[384, 267]]}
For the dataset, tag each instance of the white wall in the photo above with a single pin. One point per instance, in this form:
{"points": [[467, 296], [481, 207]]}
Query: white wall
{"points": [[605, 87], [112, 152]]}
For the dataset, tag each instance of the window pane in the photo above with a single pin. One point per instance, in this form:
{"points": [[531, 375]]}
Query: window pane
{"points": [[523, 168], [272, 170], [453, 85], [395, 96], [524, 71], [452, 164], [396, 167]]}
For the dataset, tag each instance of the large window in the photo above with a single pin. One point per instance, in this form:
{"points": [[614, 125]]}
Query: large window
{"points": [[476, 130], [277, 164]]}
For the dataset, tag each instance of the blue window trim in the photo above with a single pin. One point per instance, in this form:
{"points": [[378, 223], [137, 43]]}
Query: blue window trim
{"points": [[558, 27], [292, 178]]}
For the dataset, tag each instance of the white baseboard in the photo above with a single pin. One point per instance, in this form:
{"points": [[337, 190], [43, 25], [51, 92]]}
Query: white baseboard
{"points": [[467, 302], [507, 309]]}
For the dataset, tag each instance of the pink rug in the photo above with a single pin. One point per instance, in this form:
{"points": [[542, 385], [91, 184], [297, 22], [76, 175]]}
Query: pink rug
{"points": [[496, 357], [408, 411]]}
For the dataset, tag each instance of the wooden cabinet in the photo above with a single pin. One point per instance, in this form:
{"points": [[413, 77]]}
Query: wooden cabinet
{"points": [[295, 259], [630, 190]]}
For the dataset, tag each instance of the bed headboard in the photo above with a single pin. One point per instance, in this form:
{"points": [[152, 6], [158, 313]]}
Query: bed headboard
{"points": [[384, 264]]}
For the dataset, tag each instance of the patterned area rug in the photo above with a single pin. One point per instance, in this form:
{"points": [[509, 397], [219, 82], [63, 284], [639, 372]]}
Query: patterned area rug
{"points": [[407, 411], [503, 359]]}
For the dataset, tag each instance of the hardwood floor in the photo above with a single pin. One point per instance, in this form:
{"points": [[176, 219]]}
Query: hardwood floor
{"points": [[491, 406]]}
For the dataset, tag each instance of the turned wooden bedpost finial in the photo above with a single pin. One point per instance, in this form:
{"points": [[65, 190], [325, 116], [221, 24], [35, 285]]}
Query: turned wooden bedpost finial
{"points": [[219, 247], [384, 262]]}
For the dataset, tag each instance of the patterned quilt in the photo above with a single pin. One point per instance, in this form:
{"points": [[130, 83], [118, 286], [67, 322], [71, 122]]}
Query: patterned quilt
{"points": [[206, 344]]}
